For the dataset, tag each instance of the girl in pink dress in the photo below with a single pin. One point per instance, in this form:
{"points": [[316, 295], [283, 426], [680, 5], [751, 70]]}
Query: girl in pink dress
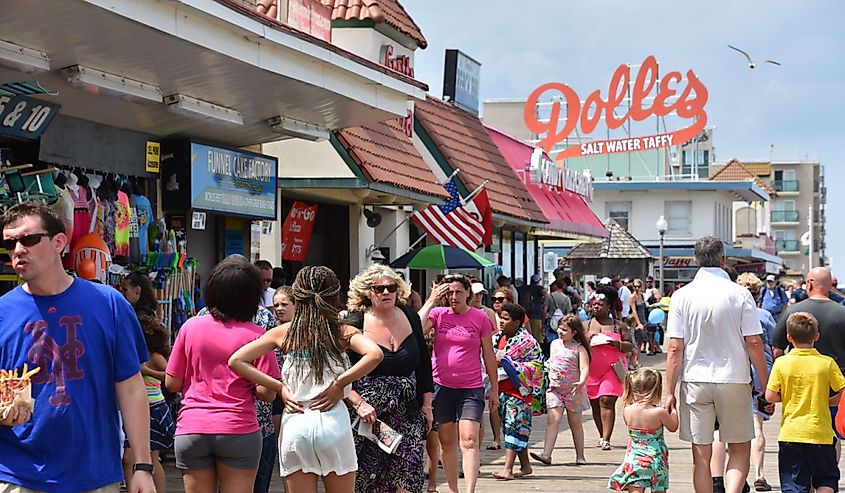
{"points": [[567, 368], [609, 341]]}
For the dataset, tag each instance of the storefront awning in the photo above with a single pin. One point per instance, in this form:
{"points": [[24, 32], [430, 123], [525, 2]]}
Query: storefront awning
{"points": [[215, 52], [566, 211]]}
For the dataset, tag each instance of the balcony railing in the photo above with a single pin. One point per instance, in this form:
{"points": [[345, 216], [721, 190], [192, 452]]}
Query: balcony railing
{"points": [[786, 185], [784, 216], [786, 245]]}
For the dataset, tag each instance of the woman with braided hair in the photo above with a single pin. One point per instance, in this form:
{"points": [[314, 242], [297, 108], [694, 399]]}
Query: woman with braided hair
{"points": [[317, 438]]}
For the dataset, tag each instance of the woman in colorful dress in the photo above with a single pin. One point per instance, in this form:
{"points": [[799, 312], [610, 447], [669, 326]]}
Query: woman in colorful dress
{"points": [[609, 342], [398, 391], [521, 361]]}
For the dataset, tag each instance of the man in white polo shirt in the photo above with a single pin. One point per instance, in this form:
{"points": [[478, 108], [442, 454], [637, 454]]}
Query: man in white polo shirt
{"points": [[713, 331]]}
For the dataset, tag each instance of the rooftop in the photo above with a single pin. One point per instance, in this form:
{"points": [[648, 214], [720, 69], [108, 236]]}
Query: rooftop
{"points": [[618, 244], [737, 171], [389, 12], [387, 155], [743, 190], [464, 143]]}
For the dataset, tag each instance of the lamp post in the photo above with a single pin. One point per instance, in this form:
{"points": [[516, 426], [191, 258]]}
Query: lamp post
{"points": [[661, 228]]}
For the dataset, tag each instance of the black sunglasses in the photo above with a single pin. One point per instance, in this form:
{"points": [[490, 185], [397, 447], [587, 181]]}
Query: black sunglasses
{"points": [[498, 299], [27, 240], [390, 288]]}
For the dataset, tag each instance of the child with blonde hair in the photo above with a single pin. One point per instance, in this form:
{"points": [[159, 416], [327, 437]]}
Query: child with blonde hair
{"points": [[646, 463]]}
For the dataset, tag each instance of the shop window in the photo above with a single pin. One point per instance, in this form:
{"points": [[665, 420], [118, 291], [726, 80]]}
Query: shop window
{"points": [[619, 212], [678, 214]]}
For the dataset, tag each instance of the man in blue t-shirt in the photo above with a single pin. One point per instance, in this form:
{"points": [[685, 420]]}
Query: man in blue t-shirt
{"points": [[87, 342], [773, 297]]}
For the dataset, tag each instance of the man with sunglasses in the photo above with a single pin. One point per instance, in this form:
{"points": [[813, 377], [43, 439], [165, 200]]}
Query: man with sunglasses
{"points": [[86, 341]]}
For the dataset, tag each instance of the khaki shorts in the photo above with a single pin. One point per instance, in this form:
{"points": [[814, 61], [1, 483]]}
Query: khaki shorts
{"points": [[537, 329], [14, 488], [701, 404]]}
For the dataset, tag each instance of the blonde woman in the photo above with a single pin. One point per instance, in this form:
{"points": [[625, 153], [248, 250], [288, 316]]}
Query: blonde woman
{"points": [[398, 391]]}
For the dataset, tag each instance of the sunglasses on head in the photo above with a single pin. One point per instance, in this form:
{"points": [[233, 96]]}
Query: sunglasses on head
{"points": [[390, 288], [453, 277], [499, 299], [29, 240]]}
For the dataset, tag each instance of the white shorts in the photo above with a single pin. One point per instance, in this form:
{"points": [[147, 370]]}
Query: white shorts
{"points": [[701, 404], [318, 443]]}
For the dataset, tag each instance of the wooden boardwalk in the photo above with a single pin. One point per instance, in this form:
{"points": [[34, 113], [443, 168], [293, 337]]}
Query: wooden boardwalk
{"points": [[564, 475]]}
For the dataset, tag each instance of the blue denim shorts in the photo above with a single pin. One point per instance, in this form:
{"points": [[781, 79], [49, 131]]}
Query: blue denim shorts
{"points": [[801, 465]]}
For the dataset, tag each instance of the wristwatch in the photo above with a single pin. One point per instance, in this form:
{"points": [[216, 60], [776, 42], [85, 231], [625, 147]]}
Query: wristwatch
{"points": [[143, 466]]}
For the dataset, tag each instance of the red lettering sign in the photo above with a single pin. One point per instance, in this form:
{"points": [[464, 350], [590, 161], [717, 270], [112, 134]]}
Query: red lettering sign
{"points": [[399, 63], [296, 231], [689, 105], [407, 124]]}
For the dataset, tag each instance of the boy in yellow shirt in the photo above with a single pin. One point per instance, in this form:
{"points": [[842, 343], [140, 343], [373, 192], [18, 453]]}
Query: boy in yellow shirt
{"points": [[804, 380]]}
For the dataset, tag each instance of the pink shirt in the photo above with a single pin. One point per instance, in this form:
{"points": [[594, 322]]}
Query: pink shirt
{"points": [[214, 398], [456, 356]]}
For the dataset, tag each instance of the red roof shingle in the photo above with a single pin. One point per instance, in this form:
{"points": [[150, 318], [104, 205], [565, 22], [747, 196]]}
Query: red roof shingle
{"points": [[389, 12], [466, 145], [387, 155], [736, 171]]}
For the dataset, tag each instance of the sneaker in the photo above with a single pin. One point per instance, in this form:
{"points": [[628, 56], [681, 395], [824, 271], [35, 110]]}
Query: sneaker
{"points": [[718, 485]]}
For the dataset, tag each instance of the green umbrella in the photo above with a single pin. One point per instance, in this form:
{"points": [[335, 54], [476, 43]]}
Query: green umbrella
{"points": [[441, 257]]}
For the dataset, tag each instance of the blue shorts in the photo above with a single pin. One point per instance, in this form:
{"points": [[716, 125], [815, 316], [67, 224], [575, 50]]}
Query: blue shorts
{"points": [[801, 465], [452, 405], [833, 410]]}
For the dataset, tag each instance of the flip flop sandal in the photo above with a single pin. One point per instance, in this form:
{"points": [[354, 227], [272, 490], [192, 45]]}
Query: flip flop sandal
{"points": [[544, 460], [494, 446], [520, 474], [499, 477]]}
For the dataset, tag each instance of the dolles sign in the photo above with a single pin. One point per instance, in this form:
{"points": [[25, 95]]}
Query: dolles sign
{"points": [[689, 104]]}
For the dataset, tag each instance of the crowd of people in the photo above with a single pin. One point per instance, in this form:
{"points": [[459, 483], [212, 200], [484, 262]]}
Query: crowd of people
{"points": [[269, 372]]}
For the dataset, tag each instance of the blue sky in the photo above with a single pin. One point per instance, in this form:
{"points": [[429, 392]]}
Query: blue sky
{"points": [[798, 107]]}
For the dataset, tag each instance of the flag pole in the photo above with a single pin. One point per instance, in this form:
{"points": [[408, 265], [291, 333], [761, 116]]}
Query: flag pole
{"points": [[408, 217], [475, 192]]}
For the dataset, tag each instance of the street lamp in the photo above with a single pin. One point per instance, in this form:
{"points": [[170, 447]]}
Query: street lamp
{"points": [[661, 228]]}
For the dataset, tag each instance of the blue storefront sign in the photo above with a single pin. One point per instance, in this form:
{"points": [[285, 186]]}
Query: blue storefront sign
{"points": [[233, 182], [25, 117]]}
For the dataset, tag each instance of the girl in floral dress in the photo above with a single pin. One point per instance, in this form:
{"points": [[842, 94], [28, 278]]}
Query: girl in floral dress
{"points": [[646, 463], [568, 366]]}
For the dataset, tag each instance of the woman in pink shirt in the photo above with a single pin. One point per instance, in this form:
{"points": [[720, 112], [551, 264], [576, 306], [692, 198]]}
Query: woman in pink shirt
{"points": [[218, 443], [462, 335]]}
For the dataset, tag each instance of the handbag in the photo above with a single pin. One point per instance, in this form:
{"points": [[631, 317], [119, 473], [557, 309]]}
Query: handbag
{"points": [[620, 370]]}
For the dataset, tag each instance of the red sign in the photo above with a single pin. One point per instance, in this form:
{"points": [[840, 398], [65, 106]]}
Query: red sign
{"points": [[296, 231], [689, 104], [399, 63], [312, 17]]}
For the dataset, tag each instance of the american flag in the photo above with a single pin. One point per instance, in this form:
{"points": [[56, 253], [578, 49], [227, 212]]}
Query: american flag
{"points": [[450, 223]]}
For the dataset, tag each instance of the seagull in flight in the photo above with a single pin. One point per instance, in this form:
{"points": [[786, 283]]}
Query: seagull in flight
{"points": [[751, 63]]}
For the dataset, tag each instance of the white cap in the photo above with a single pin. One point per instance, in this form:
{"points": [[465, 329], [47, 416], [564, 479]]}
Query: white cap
{"points": [[605, 280], [477, 287], [770, 277]]}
